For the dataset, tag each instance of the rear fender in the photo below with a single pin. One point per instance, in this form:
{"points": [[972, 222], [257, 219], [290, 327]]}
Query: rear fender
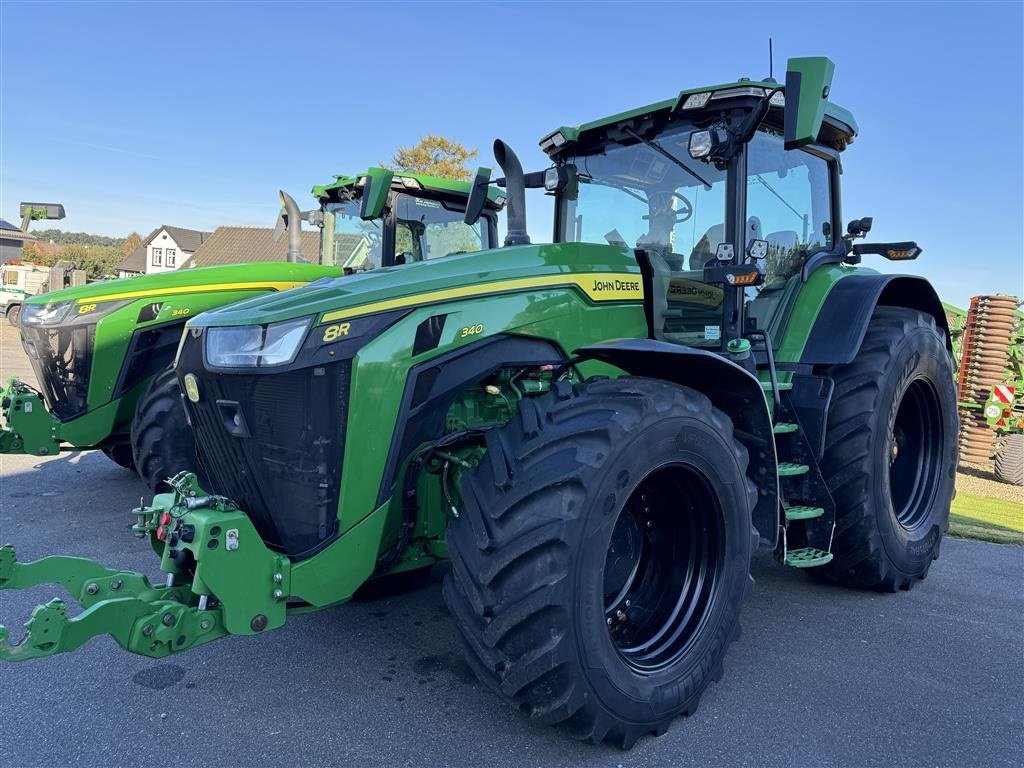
{"points": [[730, 388], [843, 321]]}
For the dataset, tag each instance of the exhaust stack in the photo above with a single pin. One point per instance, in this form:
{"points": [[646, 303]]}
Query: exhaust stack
{"points": [[292, 219], [515, 192]]}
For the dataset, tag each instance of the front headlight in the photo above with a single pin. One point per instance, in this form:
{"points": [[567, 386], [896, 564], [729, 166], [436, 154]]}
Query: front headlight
{"points": [[45, 314], [255, 346], [64, 313]]}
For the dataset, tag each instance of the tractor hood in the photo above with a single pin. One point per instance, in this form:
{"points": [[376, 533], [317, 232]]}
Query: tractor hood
{"points": [[593, 268], [272, 275]]}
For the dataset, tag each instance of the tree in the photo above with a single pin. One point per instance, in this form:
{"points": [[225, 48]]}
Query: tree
{"points": [[133, 241], [435, 156]]}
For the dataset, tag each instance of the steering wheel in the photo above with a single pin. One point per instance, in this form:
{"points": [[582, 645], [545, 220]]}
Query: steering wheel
{"points": [[686, 211], [663, 201]]}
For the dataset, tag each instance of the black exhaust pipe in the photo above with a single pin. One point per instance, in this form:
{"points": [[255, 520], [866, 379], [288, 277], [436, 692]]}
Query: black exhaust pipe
{"points": [[515, 194]]}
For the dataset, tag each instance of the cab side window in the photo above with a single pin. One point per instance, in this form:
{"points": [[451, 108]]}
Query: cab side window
{"points": [[788, 204]]}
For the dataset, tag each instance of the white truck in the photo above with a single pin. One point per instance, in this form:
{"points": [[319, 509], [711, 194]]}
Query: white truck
{"points": [[17, 283]]}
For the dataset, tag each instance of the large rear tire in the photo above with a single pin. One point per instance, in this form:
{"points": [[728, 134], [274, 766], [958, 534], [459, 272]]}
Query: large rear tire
{"points": [[891, 453], [601, 556], [1009, 466], [162, 441]]}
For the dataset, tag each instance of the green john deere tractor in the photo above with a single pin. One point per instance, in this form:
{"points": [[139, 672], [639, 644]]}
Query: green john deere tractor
{"points": [[102, 353], [596, 432]]}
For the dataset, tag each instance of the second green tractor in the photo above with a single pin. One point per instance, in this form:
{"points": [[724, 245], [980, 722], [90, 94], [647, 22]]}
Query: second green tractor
{"points": [[596, 432], [102, 353]]}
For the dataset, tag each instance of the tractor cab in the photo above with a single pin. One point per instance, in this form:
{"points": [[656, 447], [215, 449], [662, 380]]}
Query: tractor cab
{"points": [[721, 216], [380, 218]]}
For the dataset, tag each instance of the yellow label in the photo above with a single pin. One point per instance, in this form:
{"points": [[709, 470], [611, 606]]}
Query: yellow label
{"points": [[471, 330], [694, 292], [613, 287], [86, 308], [597, 286], [334, 332], [192, 387], [180, 312]]}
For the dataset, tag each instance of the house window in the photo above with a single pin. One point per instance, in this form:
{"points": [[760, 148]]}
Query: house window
{"points": [[172, 255], [158, 257]]}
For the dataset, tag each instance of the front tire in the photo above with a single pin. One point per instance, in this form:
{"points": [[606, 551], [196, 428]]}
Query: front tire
{"points": [[601, 556], [891, 453], [14, 314], [162, 441]]}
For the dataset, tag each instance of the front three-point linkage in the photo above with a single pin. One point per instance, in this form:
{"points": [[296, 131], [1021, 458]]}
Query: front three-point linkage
{"points": [[153, 621], [214, 560], [143, 618]]}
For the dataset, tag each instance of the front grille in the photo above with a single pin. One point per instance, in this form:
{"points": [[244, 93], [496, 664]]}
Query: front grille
{"points": [[274, 444], [62, 360]]}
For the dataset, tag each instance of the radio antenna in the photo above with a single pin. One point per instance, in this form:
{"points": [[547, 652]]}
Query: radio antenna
{"points": [[770, 60]]}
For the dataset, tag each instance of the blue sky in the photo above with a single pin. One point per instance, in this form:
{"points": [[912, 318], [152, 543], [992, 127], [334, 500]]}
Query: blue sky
{"points": [[192, 114]]}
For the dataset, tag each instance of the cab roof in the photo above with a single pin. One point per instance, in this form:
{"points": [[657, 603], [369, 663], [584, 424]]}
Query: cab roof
{"points": [[435, 184], [838, 128]]}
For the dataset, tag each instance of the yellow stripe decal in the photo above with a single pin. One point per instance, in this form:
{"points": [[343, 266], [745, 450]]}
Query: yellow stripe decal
{"points": [[274, 286], [598, 286]]}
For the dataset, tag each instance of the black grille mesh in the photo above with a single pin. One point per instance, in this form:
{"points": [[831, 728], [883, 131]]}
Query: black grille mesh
{"points": [[281, 459], [62, 360]]}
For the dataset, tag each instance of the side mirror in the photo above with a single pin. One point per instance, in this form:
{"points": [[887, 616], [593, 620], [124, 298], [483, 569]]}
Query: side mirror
{"points": [[808, 81], [477, 196], [375, 193]]}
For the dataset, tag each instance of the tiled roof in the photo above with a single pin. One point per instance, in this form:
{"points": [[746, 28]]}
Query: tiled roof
{"points": [[233, 245]]}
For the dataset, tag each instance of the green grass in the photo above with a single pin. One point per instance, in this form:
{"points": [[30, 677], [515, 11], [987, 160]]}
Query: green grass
{"points": [[979, 517]]}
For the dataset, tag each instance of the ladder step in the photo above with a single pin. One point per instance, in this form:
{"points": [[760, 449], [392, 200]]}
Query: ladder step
{"points": [[788, 469], [804, 513], [808, 557], [784, 386], [784, 427]]}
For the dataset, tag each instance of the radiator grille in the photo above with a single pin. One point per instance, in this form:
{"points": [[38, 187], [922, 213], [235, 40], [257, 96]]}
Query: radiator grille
{"points": [[274, 444]]}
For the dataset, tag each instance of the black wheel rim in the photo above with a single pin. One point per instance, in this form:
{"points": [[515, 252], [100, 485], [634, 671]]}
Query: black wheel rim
{"points": [[662, 565], [914, 453]]}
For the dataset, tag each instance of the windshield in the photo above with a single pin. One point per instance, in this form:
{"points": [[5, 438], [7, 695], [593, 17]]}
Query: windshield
{"points": [[635, 196], [425, 228], [429, 229], [348, 241]]}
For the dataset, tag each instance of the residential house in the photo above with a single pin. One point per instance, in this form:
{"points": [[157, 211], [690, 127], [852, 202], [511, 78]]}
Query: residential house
{"points": [[163, 250], [11, 241]]}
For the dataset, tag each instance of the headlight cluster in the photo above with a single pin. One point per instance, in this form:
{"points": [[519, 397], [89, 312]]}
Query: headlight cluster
{"points": [[255, 346], [45, 314], [59, 313]]}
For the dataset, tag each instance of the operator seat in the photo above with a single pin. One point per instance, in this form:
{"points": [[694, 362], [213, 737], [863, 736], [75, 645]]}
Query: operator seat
{"points": [[705, 248], [764, 307]]}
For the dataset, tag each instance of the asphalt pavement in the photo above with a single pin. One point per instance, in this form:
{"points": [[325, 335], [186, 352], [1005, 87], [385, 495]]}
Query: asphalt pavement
{"points": [[822, 676]]}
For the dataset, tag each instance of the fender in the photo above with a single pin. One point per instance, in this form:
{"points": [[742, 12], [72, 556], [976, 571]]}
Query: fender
{"points": [[842, 323], [731, 388]]}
